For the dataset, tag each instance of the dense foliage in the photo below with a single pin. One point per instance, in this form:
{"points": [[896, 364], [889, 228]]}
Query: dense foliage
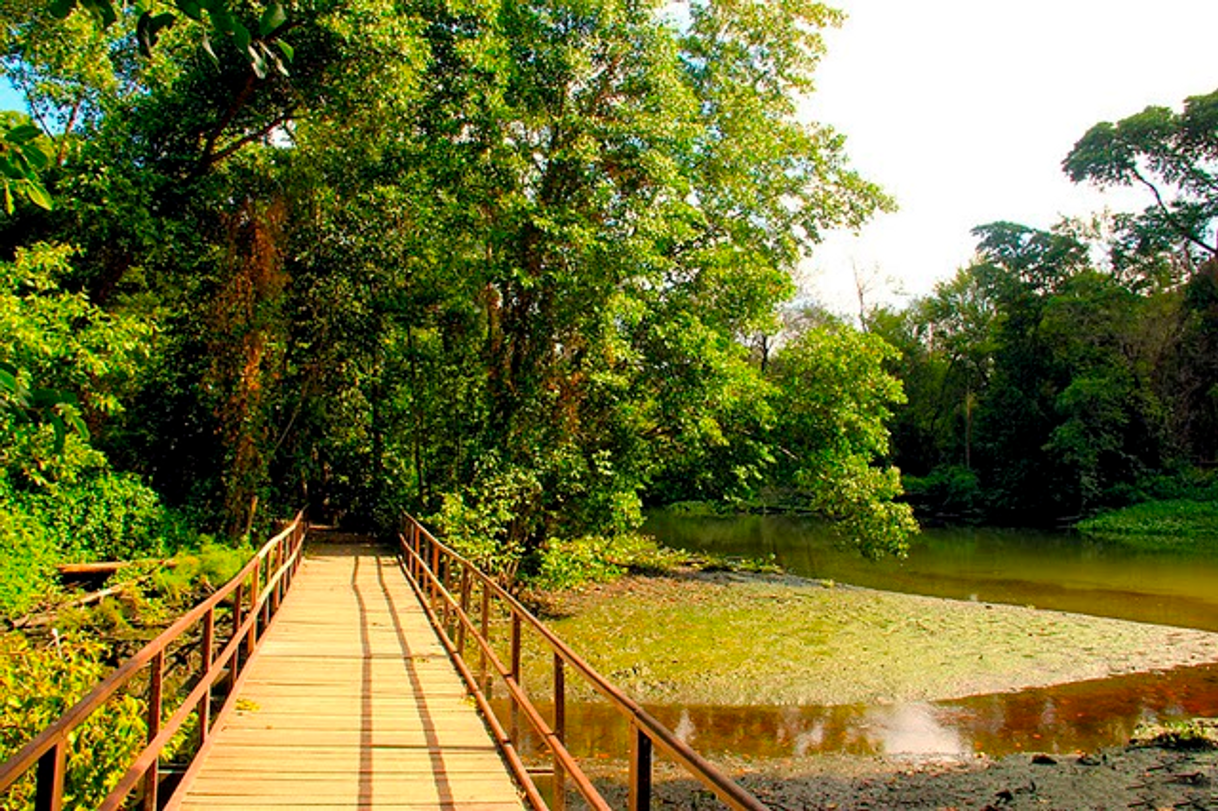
{"points": [[496, 264], [1076, 369]]}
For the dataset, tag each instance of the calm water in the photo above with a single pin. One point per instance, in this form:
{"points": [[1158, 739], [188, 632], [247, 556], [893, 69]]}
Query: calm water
{"points": [[1048, 570], [1055, 571]]}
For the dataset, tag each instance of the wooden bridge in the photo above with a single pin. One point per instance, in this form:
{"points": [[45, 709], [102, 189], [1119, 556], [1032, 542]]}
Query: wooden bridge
{"points": [[330, 680]]}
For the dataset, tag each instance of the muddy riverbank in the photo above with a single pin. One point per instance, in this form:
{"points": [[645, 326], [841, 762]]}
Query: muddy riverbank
{"points": [[718, 639], [736, 639], [1117, 778]]}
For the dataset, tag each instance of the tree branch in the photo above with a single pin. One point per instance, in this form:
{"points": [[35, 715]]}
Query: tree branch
{"points": [[252, 136], [1162, 206]]}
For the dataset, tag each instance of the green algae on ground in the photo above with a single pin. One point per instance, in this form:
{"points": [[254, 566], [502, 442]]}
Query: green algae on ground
{"points": [[732, 639]]}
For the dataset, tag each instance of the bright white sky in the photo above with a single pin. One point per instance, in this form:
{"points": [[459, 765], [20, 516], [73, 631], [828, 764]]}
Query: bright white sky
{"points": [[964, 109]]}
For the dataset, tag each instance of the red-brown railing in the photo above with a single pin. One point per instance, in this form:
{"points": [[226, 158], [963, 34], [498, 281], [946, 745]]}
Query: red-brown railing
{"points": [[437, 572], [252, 598]]}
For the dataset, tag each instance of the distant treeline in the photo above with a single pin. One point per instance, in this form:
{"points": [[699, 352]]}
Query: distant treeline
{"points": [[1072, 370]]}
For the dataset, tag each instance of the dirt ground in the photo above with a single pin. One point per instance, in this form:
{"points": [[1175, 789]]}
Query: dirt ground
{"points": [[1129, 778]]}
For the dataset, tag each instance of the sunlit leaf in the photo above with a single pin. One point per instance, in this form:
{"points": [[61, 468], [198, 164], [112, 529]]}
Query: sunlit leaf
{"points": [[22, 133], [272, 18], [208, 50], [38, 195], [36, 156]]}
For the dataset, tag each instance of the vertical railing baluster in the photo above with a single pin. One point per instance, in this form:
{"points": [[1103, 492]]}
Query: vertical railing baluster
{"points": [[515, 670], [251, 641], [465, 589], [234, 666], [435, 571], [560, 732], [483, 675], [640, 769], [48, 794], [209, 638], [156, 680]]}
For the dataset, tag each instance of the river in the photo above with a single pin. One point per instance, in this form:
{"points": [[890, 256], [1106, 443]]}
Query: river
{"points": [[1053, 571], [1061, 571]]}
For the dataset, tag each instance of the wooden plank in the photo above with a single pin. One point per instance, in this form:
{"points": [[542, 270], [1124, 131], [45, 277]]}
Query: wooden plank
{"points": [[351, 702]]}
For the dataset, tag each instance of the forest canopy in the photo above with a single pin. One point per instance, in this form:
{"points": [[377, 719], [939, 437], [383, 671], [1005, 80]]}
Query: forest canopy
{"points": [[499, 264]]}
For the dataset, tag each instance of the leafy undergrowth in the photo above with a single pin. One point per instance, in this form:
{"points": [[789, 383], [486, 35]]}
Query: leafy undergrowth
{"points": [[57, 651], [1194, 733], [591, 560], [1178, 524]]}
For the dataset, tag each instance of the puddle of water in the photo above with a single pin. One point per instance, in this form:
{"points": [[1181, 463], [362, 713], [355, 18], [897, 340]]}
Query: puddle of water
{"points": [[1079, 717]]}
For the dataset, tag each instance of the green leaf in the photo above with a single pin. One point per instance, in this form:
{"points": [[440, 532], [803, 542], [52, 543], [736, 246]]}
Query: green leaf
{"points": [[78, 425], [272, 18], [143, 35], [62, 8], [61, 433], [148, 30], [36, 156], [8, 380], [8, 198], [221, 20], [241, 36], [288, 50], [103, 10], [191, 9], [21, 134], [38, 195]]}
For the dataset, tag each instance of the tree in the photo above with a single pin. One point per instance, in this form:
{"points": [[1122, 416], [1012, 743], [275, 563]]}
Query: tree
{"points": [[1173, 156], [834, 398]]}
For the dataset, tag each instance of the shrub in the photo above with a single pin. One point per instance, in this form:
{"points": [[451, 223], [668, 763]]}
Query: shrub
{"points": [[1159, 524], [105, 516], [38, 686], [27, 560], [575, 562]]}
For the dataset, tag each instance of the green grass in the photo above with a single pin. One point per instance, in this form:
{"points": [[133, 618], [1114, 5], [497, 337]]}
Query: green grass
{"points": [[1173, 525]]}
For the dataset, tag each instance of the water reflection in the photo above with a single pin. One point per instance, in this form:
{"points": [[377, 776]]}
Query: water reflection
{"points": [[1022, 567], [1084, 716]]}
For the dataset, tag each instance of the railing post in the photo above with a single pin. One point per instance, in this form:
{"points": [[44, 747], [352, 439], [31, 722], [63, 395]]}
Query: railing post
{"points": [[640, 769], [209, 638], [560, 732], [48, 796], [156, 679], [277, 591], [515, 670], [234, 666], [483, 676], [435, 572], [251, 641], [465, 589]]}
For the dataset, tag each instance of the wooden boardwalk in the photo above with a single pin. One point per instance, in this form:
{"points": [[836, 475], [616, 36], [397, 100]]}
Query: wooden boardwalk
{"points": [[351, 703]]}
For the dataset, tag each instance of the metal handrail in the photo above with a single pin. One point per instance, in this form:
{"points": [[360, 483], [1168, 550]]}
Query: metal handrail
{"points": [[269, 574], [434, 570]]}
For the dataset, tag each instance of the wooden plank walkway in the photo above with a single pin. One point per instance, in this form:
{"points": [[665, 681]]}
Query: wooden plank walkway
{"points": [[351, 702]]}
